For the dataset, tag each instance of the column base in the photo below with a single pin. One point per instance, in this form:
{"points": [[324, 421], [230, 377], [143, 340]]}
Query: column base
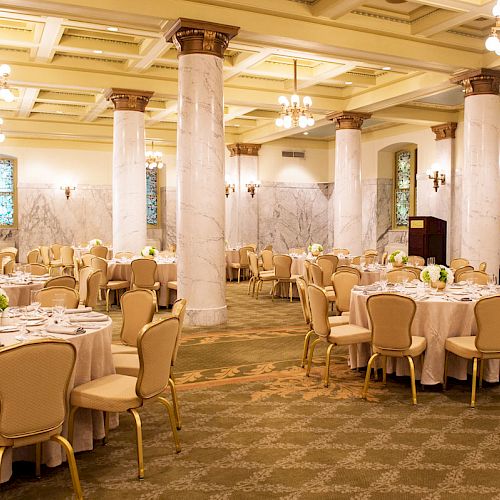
{"points": [[206, 317]]}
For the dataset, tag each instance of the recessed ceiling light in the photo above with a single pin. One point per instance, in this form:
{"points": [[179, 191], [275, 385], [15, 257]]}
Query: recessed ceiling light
{"points": [[236, 124], [112, 28], [348, 83], [306, 133], [59, 112], [97, 51], [386, 68]]}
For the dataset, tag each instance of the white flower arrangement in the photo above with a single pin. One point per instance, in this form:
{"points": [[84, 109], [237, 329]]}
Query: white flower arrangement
{"points": [[433, 274], [315, 247], [398, 257], [4, 300], [95, 242], [149, 252]]}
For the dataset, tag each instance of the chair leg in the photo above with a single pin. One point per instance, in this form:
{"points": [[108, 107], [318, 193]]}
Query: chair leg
{"points": [[327, 367], [445, 376], [481, 372], [306, 348], [71, 423], [256, 288], [156, 300], [273, 290], [290, 291], [38, 460], [70, 455], [175, 401], [412, 377], [384, 370], [367, 377], [239, 274], [171, 418], [310, 358], [138, 435], [250, 283], [474, 380], [106, 428], [107, 299]]}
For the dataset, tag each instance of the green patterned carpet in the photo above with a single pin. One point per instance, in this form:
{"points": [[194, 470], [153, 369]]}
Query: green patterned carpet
{"points": [[254, 427]]}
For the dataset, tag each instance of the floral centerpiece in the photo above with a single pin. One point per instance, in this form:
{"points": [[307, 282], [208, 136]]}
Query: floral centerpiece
{"points": [[398, 258], [149, 252], [315, 248], [438, 276], [95, 242], [4, 300]]}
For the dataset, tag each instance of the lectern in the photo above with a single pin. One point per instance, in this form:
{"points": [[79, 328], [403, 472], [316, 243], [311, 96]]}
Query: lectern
{"points": [[427, 238]]}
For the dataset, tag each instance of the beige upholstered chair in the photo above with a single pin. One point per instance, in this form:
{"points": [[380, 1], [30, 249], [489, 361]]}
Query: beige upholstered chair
{"points": [[391, 317], [99, 251], [34, 380], [267, 260], [67, 256], [13, 250], [416, 260], [371, 252], [282, 274], [7, 255], [138, 309], [343, 283], [400, 276], [482, 266], [87, 259], [243, 263], [33, 256], [120, 393], [253, 246], [45, 254], [350, 269], [485, 345], [460, 271], [384, 258], [356, 260], [100, 264], [90, 281], [258, 277], [338, 335], [124, 255], [317, 276], [455, 264], [67, 281], [328, 264], [56, 251], [307, 272], [341, 251], [477, 277], [47, 296], [8, 266], [268, 247], [144, 276], [171, 285], [415, 270], [38, 269]]}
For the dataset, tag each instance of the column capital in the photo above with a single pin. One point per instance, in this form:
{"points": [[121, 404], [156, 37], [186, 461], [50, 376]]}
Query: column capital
{"points": [[244, 149], [192, 36], [348, 119], [478, 81], [444, 131], [128, 99]]}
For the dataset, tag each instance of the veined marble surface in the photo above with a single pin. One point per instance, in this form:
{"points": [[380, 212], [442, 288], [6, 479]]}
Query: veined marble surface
{"points": [[170, 217]]}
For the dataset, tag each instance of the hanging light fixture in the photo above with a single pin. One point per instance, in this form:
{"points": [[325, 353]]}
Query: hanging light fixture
{"points": [[492, 43], [5, 93], [154, 159], [292, 113]]}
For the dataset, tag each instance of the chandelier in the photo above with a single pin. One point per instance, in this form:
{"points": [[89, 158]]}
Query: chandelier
{"points": [[293, 113], [5, 93], [154, 159], [492, 43]]}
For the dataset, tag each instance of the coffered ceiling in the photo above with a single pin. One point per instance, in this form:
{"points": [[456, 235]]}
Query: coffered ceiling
{"points": [[389, 57]]}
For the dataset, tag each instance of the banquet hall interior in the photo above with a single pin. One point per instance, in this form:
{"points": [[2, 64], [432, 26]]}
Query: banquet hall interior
{"points": [[249, 249]]}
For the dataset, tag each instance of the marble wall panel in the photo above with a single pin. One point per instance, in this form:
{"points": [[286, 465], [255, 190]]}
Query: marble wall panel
{"points": [[170, 216]]}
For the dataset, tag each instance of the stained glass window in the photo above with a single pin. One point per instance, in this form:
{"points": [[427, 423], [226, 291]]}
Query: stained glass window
{"points": [[152, 196], [404, 185], [8, 192]]}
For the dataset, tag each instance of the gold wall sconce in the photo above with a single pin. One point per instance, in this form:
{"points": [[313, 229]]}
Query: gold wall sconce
{"points": [[251, 187], [229, 188], [67, 190], [437, 177]]}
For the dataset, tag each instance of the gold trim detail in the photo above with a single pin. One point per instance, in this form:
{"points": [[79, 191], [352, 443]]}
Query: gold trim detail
{"points": [[129, 100], [478, 81], [191, 36], [244, 149], [445, 131], [348, 119]]}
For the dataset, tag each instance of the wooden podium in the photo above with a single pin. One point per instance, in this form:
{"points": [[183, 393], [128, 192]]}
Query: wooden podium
{"points": [[427, 238]]}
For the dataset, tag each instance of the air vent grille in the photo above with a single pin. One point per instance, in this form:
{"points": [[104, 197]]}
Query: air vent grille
{"points": [[293, 154]]}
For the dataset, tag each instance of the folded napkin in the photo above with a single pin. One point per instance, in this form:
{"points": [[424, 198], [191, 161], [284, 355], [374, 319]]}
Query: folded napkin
{"points": [[78, 310], [8, 329], [65, 330], [91, 317]]}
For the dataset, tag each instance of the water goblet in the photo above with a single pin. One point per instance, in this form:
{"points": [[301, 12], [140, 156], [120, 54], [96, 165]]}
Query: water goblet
{"points": [[492, 281]]}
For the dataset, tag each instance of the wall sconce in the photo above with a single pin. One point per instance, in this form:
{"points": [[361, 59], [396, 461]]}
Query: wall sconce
{"points": [[251, 187], [229, 188], [67, 190], [438, 178]]}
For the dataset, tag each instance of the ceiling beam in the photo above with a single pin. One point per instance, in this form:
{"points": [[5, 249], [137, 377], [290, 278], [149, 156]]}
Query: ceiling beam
{"points": [[92, 112], [236, 111], [152, 51], [27, 101], [246, 63], [334, 9], [416, 116], [52, 32], [325, 75], [159, 116]]}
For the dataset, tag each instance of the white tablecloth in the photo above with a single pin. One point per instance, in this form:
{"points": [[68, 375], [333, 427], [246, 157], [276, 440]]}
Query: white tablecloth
{"points": [[20, 295]]}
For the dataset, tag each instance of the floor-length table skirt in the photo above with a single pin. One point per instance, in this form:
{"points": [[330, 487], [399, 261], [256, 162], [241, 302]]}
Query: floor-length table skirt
{"points": [[436, 320], [94, 360], [20, 295]]}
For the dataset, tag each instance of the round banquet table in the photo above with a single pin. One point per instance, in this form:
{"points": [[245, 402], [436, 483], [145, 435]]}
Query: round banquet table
{"points": [[165, 272], [436, 319], [93, 360], [20, 293]]}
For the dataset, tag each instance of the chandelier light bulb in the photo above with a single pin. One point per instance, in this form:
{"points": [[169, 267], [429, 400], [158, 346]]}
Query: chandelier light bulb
{"points": [[307, 101], [492, 43], [287, 121], [310, 121], [303, 121], [279, 122], [283, 100], [295, 100], [160, 164], [496, 10], [2, 137], [6, 95], [5, 70]]}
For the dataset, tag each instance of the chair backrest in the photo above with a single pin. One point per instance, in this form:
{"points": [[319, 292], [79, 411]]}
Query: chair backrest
{"points": [[477, 277], [8, 267], [12, 250], [155, 344], [318, 302], [143, 272], [371, 252], [99, 251], [391, 317], [350, 269], [243, 251], [87, 259], [253, 263], [304, 299], [38, 269], [33, 256], [341, 251], [67, 281], [45, 253], [34, 381], [343, 283], [47, 296], [328, 264], [416, 260], [100, 264], [482, 266], [460, 271], [77, 264], [282, 266], [316, 274], [67, 254], [83, 275], [415, 270], [253, 246], [56, 251], [307, 272], [400, 275], [487, 312], [268, 247], [93, 283], [179, 312], [356, 260], [124, 255], [138, 309], [10, 255], [267, 260], [384, 258], [458, 262]]}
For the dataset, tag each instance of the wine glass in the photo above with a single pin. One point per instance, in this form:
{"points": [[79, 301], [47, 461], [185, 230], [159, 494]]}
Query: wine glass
{"points": [[492, 281], [431, 261], [58, 308], [383, 280]]}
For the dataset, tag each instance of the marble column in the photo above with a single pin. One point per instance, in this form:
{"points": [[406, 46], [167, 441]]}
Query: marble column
{"points": [[347, 206], [242, 210], [129, 176], [201, 275], [481, 173]]}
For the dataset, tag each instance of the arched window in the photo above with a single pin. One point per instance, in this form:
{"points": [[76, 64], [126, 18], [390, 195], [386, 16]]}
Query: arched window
{"points": [[8, 192], [404, 187], [152, 197]]}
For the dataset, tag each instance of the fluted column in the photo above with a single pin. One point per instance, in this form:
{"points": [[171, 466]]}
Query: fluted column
{"points": [[242, 224], [201, 276], [129, 176], [347, 209], [480, 173]]}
